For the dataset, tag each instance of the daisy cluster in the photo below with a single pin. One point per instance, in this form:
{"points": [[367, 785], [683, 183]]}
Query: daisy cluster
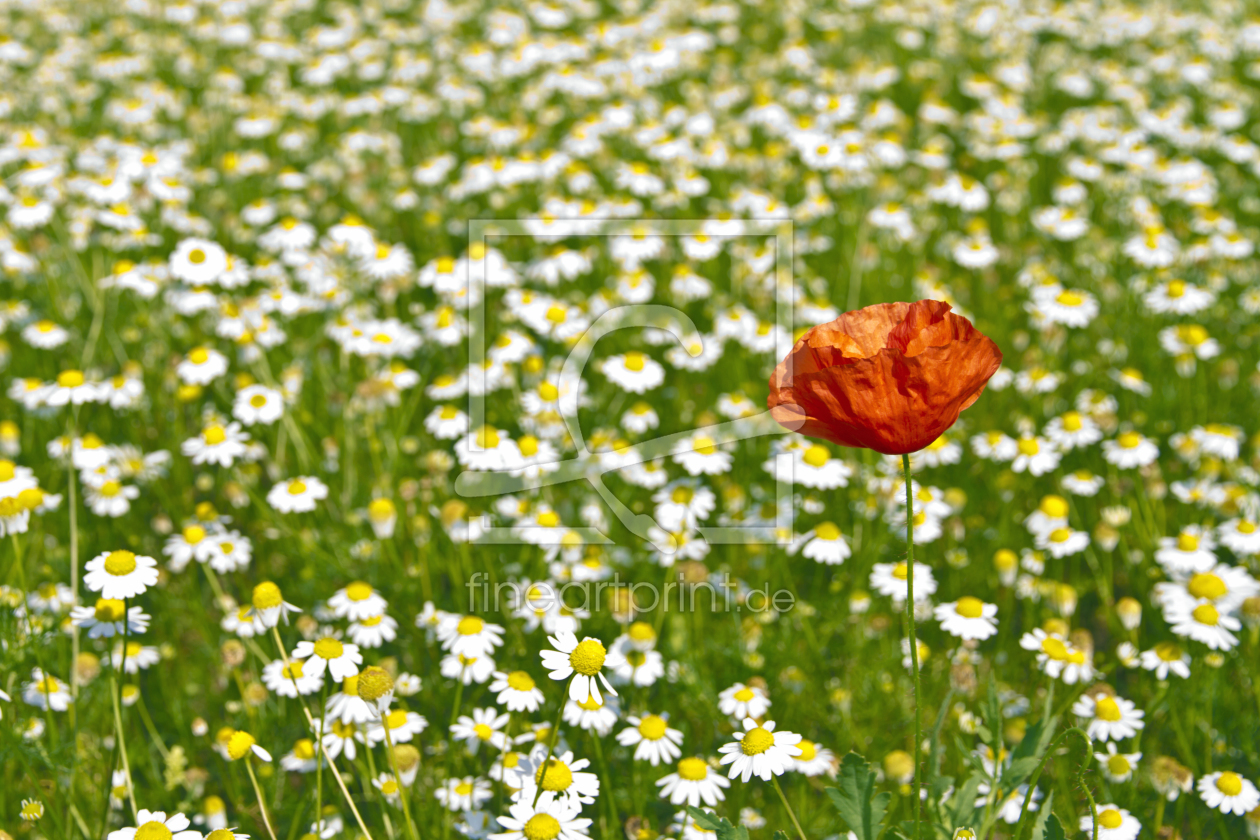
{"points": [[257, 359]]}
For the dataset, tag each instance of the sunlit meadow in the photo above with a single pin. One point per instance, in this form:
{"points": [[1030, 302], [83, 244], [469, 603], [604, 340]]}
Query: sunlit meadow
{"points": [[385, 448]]}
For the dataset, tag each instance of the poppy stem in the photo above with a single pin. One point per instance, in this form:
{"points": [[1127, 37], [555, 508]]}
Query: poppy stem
{"points": [[914, 642]]}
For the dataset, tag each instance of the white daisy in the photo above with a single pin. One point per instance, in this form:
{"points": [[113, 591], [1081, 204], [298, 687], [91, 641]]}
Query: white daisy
{"points": [[760, 751], [652, 738], [583, 661], [297, 495], [692, 782], [968, 618], [1228, 792], [120, 574]]}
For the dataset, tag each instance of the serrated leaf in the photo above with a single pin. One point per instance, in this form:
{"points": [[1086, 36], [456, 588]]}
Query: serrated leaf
{"points": [[1043, 816], [1054, 829], [963, 802], [707, 821], [862, 810], [719, 825]]}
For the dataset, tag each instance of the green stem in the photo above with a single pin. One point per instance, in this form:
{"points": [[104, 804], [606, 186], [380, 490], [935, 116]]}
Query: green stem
{"points": [[1032, 782], [914, 642], [249, 767], [551, 746], [791, 813]]}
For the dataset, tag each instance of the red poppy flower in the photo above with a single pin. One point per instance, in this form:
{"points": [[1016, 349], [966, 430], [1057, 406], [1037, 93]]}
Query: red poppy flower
{"points": [[891, 377]]}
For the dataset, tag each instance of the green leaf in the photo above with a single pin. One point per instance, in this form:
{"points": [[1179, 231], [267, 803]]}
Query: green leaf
{"points": [[779, 834], [1019, 770], [963, 802], [862, 810], [720, 825], [1043, 816], [1054, 829]]}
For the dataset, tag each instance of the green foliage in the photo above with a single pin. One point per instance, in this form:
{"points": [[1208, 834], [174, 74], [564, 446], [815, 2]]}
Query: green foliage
{"points": [[720, 825], [862, 809]]}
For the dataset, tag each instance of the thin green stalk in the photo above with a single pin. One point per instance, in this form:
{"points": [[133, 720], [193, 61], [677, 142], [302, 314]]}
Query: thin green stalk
{"points": [[914, 642], [249, 767], [402, 791], [1032, 781], [555, 736], [791, 813]]}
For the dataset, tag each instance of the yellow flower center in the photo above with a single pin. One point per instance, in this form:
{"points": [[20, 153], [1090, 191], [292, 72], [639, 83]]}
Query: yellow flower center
{"points": [[487, 438], [827, 531], [266, 596], [693, 769], [1060, 535], [528, 444], [1206, 614], [119, 563], [1055, 649], [653, 727], [557, 776], [293, 670], [329, 648], [7, 470], [1110, 818], [816, 456], [1028, 446], [359, 591], [808, 750], [1229, 783], [635, 361], [1070, 298], [483, 731], [1118, 765], [541, 827], [239, 745], [110, 489], [520, 681], [70, 378], [396, 718], [744, 695], [1105, 708], [1129, 440], [199, 356], [556, 314], [704, 444], [197, 256], [153, 830], [901, 571], [1168, 651], [756, 741], [1055, 507], [1207, 585], [588, 657], [1187, 542], [194, 534], [469, 625], [304, 749], [1176, 289], [969, 607], [214, 434], [257, 401], [109, 609], [548, 392]]}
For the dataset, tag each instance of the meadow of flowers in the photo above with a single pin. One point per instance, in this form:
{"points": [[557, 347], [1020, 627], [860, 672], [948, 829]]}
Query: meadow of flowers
{"points": [[576, 420]]}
